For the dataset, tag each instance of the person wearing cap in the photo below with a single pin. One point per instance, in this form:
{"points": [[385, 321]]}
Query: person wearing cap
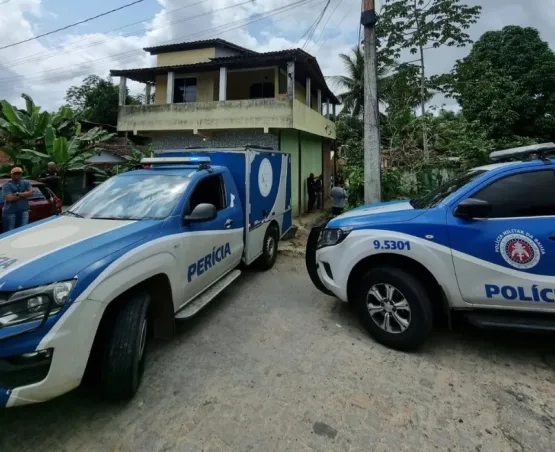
{"points": [[16, 194]]}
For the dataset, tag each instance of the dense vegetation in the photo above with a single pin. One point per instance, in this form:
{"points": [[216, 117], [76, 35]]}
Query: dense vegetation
{"points": [[505, 89]]}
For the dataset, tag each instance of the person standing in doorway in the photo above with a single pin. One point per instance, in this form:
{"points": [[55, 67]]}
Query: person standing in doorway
{"points": [[338, 197], [51, 178], [16, 193], [311, 189], [318, 189]]}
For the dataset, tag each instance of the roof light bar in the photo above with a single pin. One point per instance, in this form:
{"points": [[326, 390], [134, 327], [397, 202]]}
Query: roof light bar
{"points": [[523, 151], [175, 160]]}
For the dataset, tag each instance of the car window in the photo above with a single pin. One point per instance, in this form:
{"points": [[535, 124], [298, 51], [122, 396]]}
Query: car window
{"points": [[37, 195], [45, 192], [209, 191], [445, 190], [527, 194]]}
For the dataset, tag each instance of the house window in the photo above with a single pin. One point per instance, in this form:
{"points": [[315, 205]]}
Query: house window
{"points": [[262, 90], [184, 90]]}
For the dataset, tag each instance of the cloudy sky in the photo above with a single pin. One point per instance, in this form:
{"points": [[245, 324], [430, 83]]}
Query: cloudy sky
{"points": [[46, 67]]}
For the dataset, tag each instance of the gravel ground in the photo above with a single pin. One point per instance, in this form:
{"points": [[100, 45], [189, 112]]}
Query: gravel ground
{"points": [[273, 365]]}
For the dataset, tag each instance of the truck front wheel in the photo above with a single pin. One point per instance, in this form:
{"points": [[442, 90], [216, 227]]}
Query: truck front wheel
{"points": [[394, 308], [124, 356]]}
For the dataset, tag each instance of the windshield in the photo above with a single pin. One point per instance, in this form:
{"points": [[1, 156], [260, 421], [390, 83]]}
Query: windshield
{"points": [[132, 197], [443, 191]]}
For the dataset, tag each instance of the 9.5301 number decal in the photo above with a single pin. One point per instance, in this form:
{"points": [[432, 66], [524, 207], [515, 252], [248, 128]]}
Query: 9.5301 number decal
{"points": [[391, 245]]}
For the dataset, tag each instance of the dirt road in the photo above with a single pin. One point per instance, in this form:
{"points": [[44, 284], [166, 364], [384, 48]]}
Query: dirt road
{"points": [[274, 365]]}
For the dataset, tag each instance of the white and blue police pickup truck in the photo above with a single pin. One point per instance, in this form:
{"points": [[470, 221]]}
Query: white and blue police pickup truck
{"points": [[482, 244], [81, 292]]}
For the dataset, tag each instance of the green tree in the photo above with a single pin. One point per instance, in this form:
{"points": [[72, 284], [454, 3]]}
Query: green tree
{"points": [[507, 85], [32, 138], [97, 100], [352, 84], [68, 154], [418, 24]]}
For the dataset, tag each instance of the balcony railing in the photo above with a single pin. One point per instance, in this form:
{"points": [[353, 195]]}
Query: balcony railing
{"points": [[231, 114]]}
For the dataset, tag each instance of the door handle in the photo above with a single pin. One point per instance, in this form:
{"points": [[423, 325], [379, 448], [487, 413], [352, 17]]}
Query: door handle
{"points": [[228, 223]]}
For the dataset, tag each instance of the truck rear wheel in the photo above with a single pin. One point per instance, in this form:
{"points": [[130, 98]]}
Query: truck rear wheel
{"points": [[269, 249], [394, 308], [124, 357]]}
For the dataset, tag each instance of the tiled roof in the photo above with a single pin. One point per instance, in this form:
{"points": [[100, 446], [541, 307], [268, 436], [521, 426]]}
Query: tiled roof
{"points": [[307, 66], [120, 146]]}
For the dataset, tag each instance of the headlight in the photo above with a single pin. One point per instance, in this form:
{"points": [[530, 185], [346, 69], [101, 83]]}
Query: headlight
{"points": [[35, 304], [333, 236]]}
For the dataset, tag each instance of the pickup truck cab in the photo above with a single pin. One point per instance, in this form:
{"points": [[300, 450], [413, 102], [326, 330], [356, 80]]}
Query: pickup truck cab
{"points": [[483, 245], [82, 291]]}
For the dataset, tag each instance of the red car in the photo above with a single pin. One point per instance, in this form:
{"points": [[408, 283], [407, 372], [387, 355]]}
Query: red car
{"points": [[43, 203]]}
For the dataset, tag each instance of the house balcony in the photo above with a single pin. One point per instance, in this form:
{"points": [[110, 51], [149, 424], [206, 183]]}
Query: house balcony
{"points": [[202, 118]]}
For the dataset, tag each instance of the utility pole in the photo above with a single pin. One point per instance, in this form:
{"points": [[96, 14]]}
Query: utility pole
{"points": [[372, 155]]}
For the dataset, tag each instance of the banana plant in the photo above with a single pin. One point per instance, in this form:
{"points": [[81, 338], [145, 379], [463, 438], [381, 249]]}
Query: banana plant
{"points": [[23, 126], [69, 155], [21, 129]]}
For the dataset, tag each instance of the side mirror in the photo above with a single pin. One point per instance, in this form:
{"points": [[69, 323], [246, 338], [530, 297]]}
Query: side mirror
{"points": [[473, 208], [201, 213]]}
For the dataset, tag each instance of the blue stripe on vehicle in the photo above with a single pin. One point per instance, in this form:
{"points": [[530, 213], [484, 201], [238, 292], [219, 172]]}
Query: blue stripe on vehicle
{"points": [[67, 261], [4, 396], [13, 232]]}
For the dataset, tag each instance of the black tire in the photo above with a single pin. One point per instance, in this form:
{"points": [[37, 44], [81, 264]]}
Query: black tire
{"points": [[269, 249], [419, 317], [124, 356]]}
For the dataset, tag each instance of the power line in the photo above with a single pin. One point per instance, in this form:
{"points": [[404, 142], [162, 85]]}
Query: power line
{"points": [[310, 31], [50, 54], [132, 53], [325, 25], [359, 26], [72, 25], [335, 28]]}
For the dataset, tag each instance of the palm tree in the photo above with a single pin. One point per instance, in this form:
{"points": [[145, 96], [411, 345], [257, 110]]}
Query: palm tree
{"points": [[352, 83]]}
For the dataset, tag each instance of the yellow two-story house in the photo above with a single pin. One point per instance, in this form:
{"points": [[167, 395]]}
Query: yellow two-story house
{"points": [[216, 94]]}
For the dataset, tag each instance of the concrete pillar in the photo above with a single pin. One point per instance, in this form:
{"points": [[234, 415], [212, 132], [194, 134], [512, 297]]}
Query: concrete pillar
{"points": [[169, 91], [319, 101], [291, 79], [223, 83], [308, 92], [147, 93], [276, 82], [327, 108], [122, 90], [333, 111]]}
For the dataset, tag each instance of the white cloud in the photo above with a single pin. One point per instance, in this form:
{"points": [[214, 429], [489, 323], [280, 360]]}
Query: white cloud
{"points": [[24, 68]]}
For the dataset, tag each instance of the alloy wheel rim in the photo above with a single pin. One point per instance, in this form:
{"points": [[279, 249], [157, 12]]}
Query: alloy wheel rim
{"points": [[388, 308]]}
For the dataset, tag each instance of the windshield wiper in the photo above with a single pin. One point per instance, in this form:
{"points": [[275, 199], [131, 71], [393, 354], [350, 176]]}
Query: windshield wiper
{"points": [[72, 214], [115, 218], [415, 203]]}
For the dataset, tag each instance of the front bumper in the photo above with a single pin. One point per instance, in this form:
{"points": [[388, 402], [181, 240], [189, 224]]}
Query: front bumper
{"points": [[312, 265], [70, 339]]}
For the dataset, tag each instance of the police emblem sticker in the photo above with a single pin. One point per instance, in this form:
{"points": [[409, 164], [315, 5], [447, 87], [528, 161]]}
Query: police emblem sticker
{"points": [[519, 249]]}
